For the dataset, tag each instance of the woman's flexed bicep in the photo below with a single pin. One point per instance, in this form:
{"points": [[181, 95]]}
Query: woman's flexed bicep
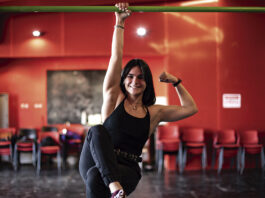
{"points": [[171, 113]]}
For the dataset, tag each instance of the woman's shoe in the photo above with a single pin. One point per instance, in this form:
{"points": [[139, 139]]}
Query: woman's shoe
{"points": [[118, 194]]}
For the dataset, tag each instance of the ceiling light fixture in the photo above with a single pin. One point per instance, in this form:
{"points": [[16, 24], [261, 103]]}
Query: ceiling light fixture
{"points": [[36, 33], [141, 31]]}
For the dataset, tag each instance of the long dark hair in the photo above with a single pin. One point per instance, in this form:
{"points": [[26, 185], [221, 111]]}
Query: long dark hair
{"points": [[149, 92]]}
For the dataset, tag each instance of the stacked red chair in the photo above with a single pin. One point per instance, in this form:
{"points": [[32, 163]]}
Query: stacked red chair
{"points": [[250, 146], [194, 144], [7, 136], [49, 144], [72, 140], [226, 144], [26, 142], [168, 142]]}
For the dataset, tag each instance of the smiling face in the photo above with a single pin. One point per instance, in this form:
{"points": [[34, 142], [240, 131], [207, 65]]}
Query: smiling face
{"points": [[145, 84], [134, 82]]}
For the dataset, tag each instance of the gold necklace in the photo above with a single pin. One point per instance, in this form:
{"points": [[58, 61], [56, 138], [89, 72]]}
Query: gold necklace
{"points": [[134, 106]]}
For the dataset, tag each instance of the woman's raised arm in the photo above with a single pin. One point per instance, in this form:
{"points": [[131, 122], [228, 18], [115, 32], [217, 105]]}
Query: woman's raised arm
{"points": [[111, 84]]}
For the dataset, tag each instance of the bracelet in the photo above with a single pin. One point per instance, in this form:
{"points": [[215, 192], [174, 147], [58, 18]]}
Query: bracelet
{"points": [[177, 83], [119, 26]]}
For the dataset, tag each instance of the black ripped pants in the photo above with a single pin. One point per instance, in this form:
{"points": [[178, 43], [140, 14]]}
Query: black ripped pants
{"points": [[99, 166]]}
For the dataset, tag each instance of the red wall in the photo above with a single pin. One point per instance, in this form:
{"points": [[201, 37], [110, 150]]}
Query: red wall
{"points": [[192, 57], [214, 53], [71, 41], [217, 53], [26, 82], [241, 67]]}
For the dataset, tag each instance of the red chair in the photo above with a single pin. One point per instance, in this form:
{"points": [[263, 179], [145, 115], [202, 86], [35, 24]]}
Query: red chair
{"points": [[168, 142], [226, 144], [27, 142], [6, 142], [250, 145], [72, 140], [49, 144], [193, 143]]}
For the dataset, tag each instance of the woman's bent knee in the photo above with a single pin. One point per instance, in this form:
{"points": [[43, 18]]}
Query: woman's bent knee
{"points": [[98, 130]]}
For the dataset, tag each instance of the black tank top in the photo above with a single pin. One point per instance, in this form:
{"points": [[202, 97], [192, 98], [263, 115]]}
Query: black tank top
{"points": [[128, 133]]}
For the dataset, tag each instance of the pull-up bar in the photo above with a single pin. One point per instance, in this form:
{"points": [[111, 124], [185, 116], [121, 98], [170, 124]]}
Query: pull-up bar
{"points": [[132, 8]]}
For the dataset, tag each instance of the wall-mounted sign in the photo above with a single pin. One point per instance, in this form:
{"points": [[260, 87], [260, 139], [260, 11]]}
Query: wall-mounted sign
{"points": [[231, 100]]}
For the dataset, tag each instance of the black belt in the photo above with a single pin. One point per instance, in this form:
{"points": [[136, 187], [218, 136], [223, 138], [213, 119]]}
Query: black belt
{"points": [[128, 156]]}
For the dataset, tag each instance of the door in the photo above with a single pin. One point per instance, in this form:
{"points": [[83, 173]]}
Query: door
{"points": [[4, 121]]}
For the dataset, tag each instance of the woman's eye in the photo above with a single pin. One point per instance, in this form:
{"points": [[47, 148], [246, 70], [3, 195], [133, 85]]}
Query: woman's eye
{"points": [[130, 76], [140, 77]]}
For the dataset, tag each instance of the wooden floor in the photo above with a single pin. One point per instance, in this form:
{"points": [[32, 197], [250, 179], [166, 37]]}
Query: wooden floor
{"points": [[192, 184]]}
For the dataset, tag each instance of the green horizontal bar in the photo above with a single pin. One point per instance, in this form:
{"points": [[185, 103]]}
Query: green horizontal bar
{"points": [[132, 8]]}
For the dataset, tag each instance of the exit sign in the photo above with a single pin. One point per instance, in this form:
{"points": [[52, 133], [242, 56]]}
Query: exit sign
{"points": [[231, 100]]}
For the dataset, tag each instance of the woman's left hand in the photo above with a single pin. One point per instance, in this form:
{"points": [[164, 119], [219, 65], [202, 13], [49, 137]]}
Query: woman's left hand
{"points": [[167, 78], [123, 11]]}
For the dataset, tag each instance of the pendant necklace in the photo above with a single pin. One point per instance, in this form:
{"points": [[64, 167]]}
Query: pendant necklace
{"points": [[134, 107]]}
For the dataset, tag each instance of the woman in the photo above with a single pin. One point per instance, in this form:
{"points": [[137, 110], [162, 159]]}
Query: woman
{"points": [[110, 155]]}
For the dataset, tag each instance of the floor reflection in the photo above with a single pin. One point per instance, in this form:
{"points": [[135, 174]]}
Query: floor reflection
{"points": [[192, 184]]}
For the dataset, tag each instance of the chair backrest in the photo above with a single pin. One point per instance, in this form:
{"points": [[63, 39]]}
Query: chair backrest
{"points": [[227, 136], [7, 133], [193, 135], [49, 129], [78, 129], [249, 137], [167, 132], [28, 133], [54, 136]]}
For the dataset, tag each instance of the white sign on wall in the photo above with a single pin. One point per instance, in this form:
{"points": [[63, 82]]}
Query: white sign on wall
{"points": [[231, 100]]}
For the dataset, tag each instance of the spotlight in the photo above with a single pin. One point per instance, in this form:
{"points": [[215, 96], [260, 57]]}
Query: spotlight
{"points": [[141, 31], [36, 33]]}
